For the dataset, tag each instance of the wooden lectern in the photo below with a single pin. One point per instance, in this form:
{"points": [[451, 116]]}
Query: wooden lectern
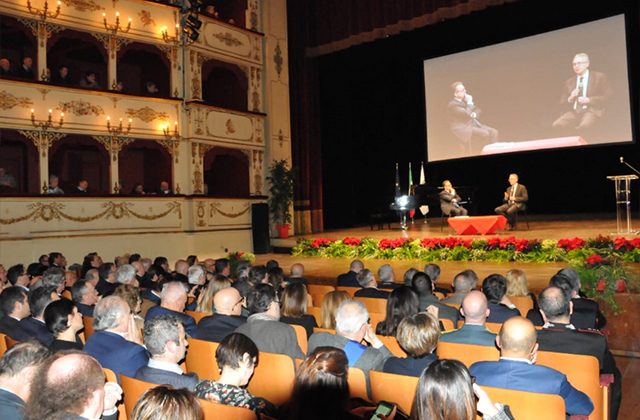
{"points": [[623, 201]]}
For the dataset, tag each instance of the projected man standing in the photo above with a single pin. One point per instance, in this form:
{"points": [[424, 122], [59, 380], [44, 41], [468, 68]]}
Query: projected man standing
{"points": [[583, 98], [464, 123]]}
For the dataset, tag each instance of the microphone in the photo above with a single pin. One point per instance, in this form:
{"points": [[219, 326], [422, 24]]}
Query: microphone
{"points": [[621, 159]]}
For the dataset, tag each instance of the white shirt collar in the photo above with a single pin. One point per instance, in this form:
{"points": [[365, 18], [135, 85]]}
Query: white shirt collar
{"points": [[513, 359], [168, 366]]}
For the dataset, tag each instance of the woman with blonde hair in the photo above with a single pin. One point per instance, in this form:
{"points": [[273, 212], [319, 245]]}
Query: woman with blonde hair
{"points": [[517, 285], [218, 283], [330, 305], [294, 308], [166, 403], [131, 295]]}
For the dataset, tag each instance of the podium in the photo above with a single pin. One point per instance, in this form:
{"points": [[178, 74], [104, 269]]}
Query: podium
{"points": [[623, 201], [404, 204]]}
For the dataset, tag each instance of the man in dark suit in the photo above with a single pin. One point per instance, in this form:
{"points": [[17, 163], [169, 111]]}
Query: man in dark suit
{"points": [[14, 304], [34, 326], [515, 369], [423, 286], [85, 297], [166, 341], [449, 200], [116, 342], [495, 288], [388, 278], [464, 124], [514, 200], [559, 335], [475, 311], [297, 271], [174, 299], [349, 279], [25, 71], [226, 319], [19, 365], [5, 67], [369, 285], [584, 97]]}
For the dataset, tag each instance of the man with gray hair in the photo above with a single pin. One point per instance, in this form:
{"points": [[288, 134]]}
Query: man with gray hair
{"points": [[433, 271], [85, 297], [174, 299], [388, 277], [166, 341], [116, 342], [54, 278], [369, 286], [349, 279], [196, 275], [180, 272], [54, 188], [92, 277], [463, 283], [126, 274], [352, 326]]}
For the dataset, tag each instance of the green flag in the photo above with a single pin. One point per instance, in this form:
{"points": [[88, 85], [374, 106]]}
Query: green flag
{"points": [[409, 192]]}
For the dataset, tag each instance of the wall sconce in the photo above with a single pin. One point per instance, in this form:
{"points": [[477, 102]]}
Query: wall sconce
{"points": [[44, 13], [115, 27], [168, 134], [175, 39], [48, 123], [118, 130]]}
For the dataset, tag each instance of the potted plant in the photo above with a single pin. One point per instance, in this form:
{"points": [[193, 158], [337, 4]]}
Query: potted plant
{"points": [[281, 178]]}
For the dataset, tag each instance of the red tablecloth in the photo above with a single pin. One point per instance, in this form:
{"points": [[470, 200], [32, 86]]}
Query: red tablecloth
{"points": [[477, 224]]}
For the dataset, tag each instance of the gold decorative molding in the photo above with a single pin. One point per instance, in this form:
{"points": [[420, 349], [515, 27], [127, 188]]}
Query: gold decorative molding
{"points": [[255, 101], [198, 180], [43, 92], [230, 128], [113, 144], [51, 211], [195, 88], [228, 39], [42, 139], [171, 52], [146, 114], [277, 58], [41, 29], [172, 147], [83, 5], [215, 207], [112, 43], [200, 213], [80, 108], [115, 101], [204, 148], [145, 18], [9, 101]]}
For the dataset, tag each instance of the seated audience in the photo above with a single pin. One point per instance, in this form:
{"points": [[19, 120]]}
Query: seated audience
{"points": [[402, 302], [218, 283], [164, 189], [408, 276], [463, 283], [237, 356], [226, 319], [352, 326], [294, 308], [495, 289], [18, 276], [165, 402], [275, 278], [138, 189], [62, 77], [14, 305], [64, 321], [5, 67], [174, 299], [84, 296], [423, 285], [350, 279], [91, 260], [18, 368], [56, 259], [180, 271], [81, 189], [329, 309], [25, 71], [54, 279], [475, 311], [152, 89], [6, 179], [448, 383], [517, 285], [72, 386], [258, 275], [264, 327], [192, 260], [222, 266], [131, 295], [167, 344], [89, 81], [296, 273], [418, 336], [116, 342], [369, 286], [53, 185], [126, 274], [515, 369], [433, 271], [107, 283], [34, 326], [150, 279], [388, 277]]}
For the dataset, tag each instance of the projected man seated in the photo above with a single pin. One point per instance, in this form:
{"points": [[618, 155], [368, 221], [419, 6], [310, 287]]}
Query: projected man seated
{"points": [[449, 201], [464, 123], [583, 98]]}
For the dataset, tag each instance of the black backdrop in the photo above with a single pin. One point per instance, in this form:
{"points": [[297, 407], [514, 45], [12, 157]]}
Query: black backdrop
{"points": [[372, 116]]}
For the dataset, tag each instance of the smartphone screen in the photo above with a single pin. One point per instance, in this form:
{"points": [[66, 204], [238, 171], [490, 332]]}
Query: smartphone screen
{"points": [[384, 408]]}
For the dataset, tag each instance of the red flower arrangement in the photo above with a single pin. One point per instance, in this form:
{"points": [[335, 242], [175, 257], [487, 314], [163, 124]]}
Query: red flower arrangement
{"points": [[623, 243], [594, 259], [317, 243], [352, 241], [392, 243], [571, 244]]}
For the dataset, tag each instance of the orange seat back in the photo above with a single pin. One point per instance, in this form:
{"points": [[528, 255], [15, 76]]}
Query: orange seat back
{"points": [[111, 377], [3, 344], [317, 292], [468, 354], [528, 405], [316, 312], [376, 305], [375, 319], [201, 359], [273, 378], [350, 290], [447, 323], [213, 411], [523, 303], [196, 315], [391, 343], [357, 384], [67, 294], [301, 334], [397, 389], [88, 326], [132, 390]]}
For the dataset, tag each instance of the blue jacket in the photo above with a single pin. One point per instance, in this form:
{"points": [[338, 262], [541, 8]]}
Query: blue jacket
{"points": [[112, 351], [522, 376], [188, 322]]}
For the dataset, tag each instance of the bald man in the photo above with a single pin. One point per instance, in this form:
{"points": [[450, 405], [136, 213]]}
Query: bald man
{"points": [[349, 279], [297, 271], [516, 370], [174, 299], [228, 305], [475, 311]]}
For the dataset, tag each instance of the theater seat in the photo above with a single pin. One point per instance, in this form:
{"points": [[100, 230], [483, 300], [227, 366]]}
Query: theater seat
{"points": [[111, 377], [201, 359], [196, 315], [213, 411], [132, 390], [468, 354], [397, 389], [528, 405], [273, 378]]}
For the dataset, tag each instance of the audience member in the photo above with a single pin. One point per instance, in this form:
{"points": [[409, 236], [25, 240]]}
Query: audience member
{"points": [[387, 277], [165, 402], [515, 369], [131, 295], [422, 285], [70, 278], [222, 266], [119, 87], [433, 271], [5, 67], [258, 275], [62, 77], [495, 288], [237, 356], [91, 260], [226, 318], [166, 341], [174, 299], [296, 272], [85, 297], [56, 259], [89, 81], [402, 302], [164, 189], [6, 179], [463, 283], [264, 327], [25, 71], [418, 336], [181, 268], [54, 188], [116, 342], [150, 279], [294, 308], [330, 305], [408, 276], [18, 369], [82, 188], [64, 321], [349, 279], [475, 311], [55, 279], [126, 274], [107, 283], [211, 12], [151, 89], [218, 283], [138, 189], [275, 277], [369, 286], [34, 326], [517, 285], [18, 276], [14, 305]]}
